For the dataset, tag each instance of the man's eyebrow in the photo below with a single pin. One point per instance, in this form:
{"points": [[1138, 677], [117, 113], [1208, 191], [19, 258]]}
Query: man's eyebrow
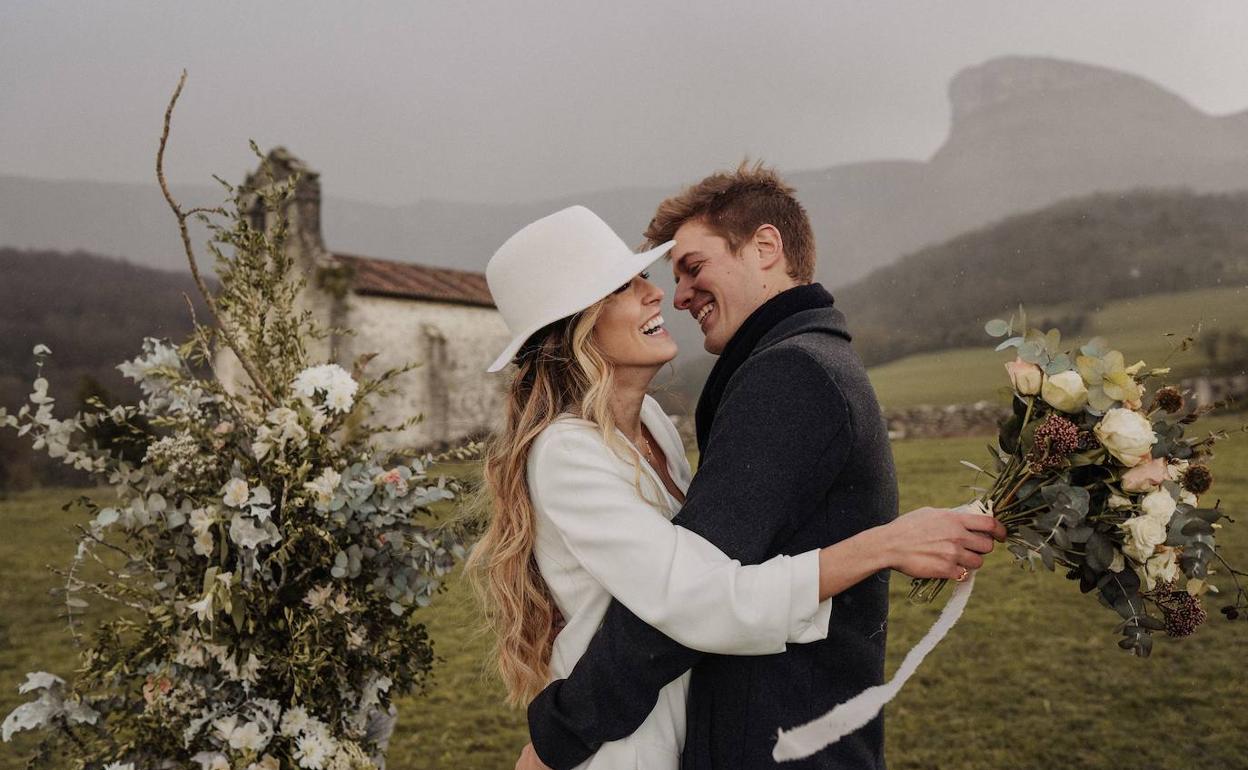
{"points": [[678, 263]]}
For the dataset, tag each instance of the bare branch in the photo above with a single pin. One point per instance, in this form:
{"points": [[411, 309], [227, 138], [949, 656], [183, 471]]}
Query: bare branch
{"points": [[182, 216]]}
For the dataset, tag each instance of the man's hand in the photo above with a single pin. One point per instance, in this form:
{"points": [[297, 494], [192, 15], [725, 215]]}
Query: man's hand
{"points": [[940, 543], [529, 761]]}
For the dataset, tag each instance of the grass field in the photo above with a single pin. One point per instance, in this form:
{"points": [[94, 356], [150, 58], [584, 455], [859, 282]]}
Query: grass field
{"points": [[1136, 327], [1031, 677]]}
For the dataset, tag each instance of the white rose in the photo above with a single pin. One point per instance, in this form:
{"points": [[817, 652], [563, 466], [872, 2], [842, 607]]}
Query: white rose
{"points": [[235, 493], [1158, 505], [1065, 391], [1144, 534], [1127, 435]]}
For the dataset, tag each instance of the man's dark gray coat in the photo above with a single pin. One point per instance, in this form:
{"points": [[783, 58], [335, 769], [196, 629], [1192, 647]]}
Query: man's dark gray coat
{"points": [[797, 458]]}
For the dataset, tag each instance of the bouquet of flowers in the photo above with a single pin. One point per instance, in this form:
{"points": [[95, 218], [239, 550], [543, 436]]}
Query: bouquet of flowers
{"points": [[1089, 479], [266, 560]]}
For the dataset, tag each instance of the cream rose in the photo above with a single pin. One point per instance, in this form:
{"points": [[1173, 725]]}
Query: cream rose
{"points": [[1065, 391], [1026, 378], [1144, 534], [1146, 477], [1158, 505], [1127, 435]]}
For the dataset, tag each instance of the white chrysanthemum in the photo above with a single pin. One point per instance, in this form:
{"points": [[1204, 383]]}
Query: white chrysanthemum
{"points": [[235, 493], [313, 750], [331, 380], [295, 721], [317, 596]]}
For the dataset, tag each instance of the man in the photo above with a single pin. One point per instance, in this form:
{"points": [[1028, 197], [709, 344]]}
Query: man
{"points": [[794, 456]]}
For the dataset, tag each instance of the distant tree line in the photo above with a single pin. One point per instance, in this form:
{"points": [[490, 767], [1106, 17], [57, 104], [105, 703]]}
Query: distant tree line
{"points": [[93, 312], [1077, 254]]}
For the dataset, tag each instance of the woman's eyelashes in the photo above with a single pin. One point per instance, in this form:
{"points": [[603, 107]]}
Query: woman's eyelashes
{"points": [[643, 274]]}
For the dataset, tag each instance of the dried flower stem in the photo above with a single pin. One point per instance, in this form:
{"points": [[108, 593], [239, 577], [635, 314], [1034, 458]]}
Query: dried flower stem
{"points": [[182, 216]]}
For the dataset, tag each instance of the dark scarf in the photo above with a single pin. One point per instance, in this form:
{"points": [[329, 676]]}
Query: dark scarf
{"points": [[742, 344]]}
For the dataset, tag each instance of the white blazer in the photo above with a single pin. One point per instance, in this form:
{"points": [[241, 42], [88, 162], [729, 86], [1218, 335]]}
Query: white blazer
{"points": [[598, 539]]}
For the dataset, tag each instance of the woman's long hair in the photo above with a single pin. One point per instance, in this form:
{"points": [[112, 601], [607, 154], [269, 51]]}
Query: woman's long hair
{"points": [[560, 369]]}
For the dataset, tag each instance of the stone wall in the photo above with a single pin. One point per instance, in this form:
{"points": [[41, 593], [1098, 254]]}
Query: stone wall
{"points": [[453, 344], [1207, 390], [926, 421]]}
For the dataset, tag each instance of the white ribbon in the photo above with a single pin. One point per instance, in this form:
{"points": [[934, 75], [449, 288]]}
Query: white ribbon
{"points": [[804, 740]]}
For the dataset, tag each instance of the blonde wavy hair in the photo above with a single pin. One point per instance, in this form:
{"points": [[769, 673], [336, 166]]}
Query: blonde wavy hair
{"points": [[559, 370]]}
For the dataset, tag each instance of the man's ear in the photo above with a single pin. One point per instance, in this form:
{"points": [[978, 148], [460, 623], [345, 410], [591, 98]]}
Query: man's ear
{"points": [[770, 246]]}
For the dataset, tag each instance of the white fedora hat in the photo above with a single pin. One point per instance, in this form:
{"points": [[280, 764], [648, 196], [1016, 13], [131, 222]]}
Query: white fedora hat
{"points": [[557, 266]]}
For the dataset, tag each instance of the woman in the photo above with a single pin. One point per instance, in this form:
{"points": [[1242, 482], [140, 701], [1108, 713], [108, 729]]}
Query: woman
{"points": [[585, 476]]}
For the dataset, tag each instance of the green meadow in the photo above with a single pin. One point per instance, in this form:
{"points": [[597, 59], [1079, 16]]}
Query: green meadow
{"points": [[1031, 677], [1138, 327]]}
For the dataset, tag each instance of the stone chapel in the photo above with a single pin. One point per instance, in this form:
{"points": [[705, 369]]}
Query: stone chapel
{"points": [[442, 318]]}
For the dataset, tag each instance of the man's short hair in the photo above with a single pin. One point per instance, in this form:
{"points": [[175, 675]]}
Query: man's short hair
{"points": [[734, 205]]}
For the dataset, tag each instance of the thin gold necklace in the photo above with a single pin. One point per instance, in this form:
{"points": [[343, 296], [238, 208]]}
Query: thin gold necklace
{"points": [[646, 448]]}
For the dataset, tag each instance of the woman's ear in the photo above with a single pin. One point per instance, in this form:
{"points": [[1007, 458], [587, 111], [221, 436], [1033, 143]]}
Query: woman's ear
{"points": [[770, 246]]}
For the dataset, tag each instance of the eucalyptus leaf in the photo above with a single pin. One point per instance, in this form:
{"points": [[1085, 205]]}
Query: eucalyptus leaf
{"points": [[997, 328]]}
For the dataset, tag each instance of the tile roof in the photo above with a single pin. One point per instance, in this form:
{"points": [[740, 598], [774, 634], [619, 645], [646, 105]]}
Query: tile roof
{"points": [[406, 280]]}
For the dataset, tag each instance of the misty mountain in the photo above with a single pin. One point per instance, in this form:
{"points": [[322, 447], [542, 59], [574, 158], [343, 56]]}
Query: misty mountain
{"points": [[1025, 132]]}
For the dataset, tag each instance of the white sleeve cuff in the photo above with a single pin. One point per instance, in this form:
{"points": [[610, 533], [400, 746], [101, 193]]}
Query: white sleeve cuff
{"points": [[808, 617]]}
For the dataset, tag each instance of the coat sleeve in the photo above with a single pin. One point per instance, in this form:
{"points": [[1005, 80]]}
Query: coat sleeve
{"points": [[671, 578], [781, 436]]}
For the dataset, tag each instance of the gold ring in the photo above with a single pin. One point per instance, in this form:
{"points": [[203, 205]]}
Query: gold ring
{"points": [[963, 576]]}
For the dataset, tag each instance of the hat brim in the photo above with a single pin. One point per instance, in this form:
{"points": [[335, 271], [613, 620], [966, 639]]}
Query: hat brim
{"points": [[611, 280]]}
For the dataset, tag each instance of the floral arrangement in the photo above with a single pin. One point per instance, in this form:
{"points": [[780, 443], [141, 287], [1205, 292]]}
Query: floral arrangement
{"points": [[266, 560], [1089, 479]]}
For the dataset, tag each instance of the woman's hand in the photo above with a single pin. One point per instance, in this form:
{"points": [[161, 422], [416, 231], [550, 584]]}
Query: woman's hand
{"points": [[529, 761]]}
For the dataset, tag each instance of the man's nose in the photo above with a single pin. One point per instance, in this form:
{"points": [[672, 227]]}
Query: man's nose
{"points": [[683, 297]]}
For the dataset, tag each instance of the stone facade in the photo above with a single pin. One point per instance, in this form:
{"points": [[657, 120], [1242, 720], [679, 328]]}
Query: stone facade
{"points": [[442, 319]]}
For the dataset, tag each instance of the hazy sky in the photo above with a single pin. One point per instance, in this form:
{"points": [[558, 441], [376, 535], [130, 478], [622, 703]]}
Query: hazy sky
{"points": [[506, 100]]}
